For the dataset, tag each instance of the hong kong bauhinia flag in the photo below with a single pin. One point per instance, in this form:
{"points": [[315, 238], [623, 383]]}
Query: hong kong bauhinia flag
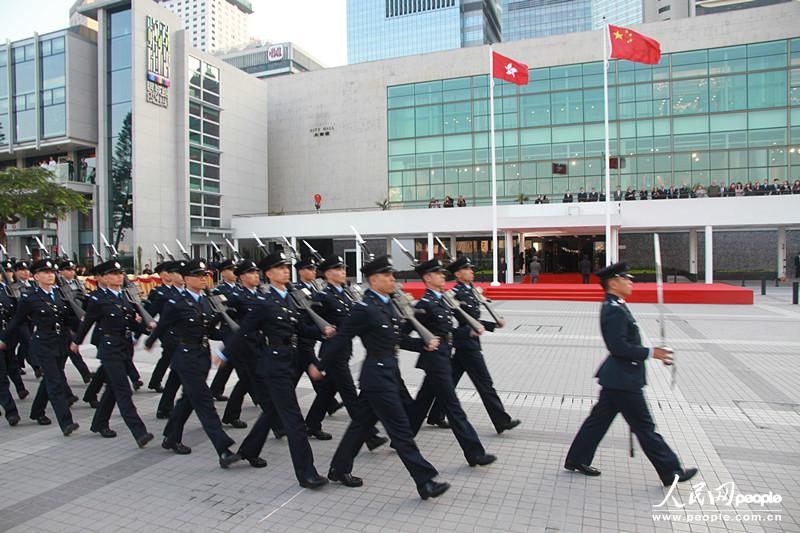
{"points": [[627, 44], [507, 69]]}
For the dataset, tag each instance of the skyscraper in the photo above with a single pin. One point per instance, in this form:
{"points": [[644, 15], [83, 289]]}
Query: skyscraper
{"points": [[656, 10], [527, 19], [394, 28], [215, 25]]}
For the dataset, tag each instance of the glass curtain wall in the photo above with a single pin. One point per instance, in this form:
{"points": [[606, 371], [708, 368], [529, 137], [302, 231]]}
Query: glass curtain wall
{"points": [[204, 153], [120, 129], [5, 135], [23, 57], [725, 114], [54, 91]]}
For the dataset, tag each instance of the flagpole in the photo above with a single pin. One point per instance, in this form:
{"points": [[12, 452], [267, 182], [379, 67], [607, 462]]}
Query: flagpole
{"points": [[607, 162], [495, 281]]}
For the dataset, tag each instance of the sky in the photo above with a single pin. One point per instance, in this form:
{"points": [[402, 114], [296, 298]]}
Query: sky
{"points": [[317, 26]]}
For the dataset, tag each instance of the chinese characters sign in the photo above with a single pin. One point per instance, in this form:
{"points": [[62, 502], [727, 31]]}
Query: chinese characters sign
{"points": [[157, 38]]}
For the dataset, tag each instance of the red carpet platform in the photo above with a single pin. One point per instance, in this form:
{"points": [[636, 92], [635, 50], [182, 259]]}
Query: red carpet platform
{"points": [[674, 293], [570, 277]]}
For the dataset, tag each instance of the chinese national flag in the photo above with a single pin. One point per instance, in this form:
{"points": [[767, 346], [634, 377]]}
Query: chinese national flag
{"points": [[627, 44], [507, 69]]}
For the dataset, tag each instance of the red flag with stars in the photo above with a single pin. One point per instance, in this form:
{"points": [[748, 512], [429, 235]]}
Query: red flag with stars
{"points": [[627, 44]]}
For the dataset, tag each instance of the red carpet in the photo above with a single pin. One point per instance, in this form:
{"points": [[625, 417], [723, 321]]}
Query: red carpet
{"points": [[570, 277], [674, 293]]}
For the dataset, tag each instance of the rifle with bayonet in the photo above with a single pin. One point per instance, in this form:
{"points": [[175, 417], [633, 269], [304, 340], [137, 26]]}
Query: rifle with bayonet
{"points": [[353, 292], [218, 302], [401, 300], [81, 287], [301, 297], [236, 256], [447, 297], [476, 291], [67, 292], [130, 290]]}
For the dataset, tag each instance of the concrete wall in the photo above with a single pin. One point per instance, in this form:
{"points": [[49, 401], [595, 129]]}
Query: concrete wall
{"points": [[81, 69], [159, 147], [349, 167]]}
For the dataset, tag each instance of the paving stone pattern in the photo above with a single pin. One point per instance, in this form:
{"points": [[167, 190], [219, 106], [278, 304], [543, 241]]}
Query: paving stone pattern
{"points": [[735, 413]]}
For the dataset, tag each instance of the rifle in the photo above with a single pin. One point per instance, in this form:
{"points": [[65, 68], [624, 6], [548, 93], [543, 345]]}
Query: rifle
{"points": [[130, 290], [159, 255], [236, 256], [217, 302], [401, 301], [301, 297], [477, 292], [363, 244], [63, 287], [12, 287], [78, 282], [447, 297]]}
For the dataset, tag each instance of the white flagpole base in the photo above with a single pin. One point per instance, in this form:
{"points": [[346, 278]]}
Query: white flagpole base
{"points": [[495, 284]]}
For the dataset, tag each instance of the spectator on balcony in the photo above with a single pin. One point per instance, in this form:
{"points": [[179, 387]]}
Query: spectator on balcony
{"points": [[462, 202], [684, 191], [43, 165], [567, 198], [545, 199], [673, 193], [713, 190], [655, 193], [775, 188], [582, 196], [700, 191], [434, 203], [593, 197], [51, 165], [630, 194], [602, 196], [738, 189], [786, 188], [643, 192], [618, 196], [748, 189], [538, 199], [796, 187], [448, 201]]}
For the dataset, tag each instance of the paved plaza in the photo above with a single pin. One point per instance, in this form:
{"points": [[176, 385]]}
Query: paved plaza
{"points": [[735, 414]]}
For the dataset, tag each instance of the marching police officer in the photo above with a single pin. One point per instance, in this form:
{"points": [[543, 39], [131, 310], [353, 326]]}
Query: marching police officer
{"points": [[66, 270], [622, 376], [468, 356], [7, 308], [438, 383], [156, 298], [378, 325], [336, 305], [226, 286], [193, 322], [169, 342], [22, 273], [117, 318], [51, 319], [277, 317]]}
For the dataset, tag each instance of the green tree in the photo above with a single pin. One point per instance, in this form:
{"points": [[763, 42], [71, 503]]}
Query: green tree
{"points": [[31, 192], [120, 194]]}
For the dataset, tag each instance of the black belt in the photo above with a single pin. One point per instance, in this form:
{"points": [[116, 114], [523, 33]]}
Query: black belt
{"points": [[381, 354], [58, 329], [290, 341], [125, 334], [203, 341]]}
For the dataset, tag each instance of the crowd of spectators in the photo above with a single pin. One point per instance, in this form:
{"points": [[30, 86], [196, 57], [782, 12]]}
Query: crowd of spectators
{"points": [[715, 190], [448, 202]]}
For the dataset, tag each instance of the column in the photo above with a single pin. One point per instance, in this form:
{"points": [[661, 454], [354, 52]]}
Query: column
{"points": [[781, 252], [430, 246], [614, 244], [509, 256], [358, 263], [453, 244], [693, 251], [521, 253], [709, 256], [388, 246]]}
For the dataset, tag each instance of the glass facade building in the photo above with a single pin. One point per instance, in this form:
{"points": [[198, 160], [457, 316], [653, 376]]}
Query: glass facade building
{"points": [[524, 19], [120, 130], [396, 28], [33, 90], [722, 114], [204, 153]]}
